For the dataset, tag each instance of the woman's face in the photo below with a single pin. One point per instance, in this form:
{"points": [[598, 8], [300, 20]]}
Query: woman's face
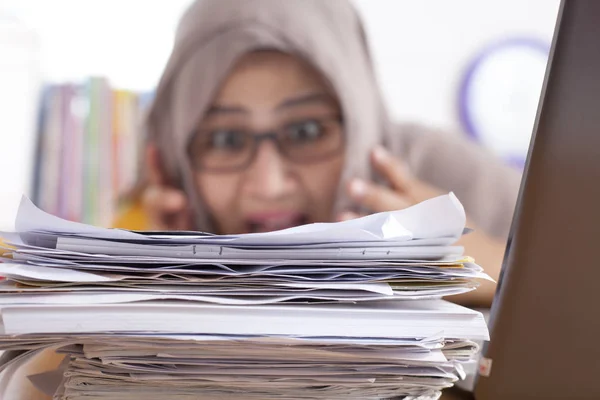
{"points": [[276, 186]]}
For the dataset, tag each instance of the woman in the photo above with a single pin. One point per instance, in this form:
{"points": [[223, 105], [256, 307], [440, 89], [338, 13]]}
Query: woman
{"points": [[268, 115]]}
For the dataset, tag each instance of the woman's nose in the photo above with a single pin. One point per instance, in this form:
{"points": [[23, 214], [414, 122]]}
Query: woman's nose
{"points": [[268, 175]]}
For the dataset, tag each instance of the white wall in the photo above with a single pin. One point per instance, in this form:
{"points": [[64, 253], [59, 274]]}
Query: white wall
{"points": [[420, 46], [125, 40], [19, 82]]}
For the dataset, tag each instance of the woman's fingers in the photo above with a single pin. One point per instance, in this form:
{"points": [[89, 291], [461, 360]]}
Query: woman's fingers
{"points": [[167, 208], [391, 168], [400, 179], [377, 198], [154, 165]]}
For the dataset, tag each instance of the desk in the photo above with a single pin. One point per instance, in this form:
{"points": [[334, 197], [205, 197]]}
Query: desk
{"points": [[456, 394]]}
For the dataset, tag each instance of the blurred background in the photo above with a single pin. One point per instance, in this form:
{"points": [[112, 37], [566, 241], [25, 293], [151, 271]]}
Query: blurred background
{"points": [[76, 75]]}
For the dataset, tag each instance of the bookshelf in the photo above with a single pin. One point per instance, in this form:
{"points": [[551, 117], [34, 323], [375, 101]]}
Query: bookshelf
{"points": [[88, 149]]}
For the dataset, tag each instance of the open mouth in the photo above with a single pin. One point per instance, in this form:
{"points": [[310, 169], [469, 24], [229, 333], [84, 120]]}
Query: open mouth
{"points": [[267, 222]]}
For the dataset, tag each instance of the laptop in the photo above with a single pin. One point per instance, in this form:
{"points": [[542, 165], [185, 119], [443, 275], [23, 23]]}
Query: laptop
{"points": [[545, 319]]}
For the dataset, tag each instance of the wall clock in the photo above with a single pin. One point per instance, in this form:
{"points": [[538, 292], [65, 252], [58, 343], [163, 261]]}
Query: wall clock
{"points": [[499, 96]]}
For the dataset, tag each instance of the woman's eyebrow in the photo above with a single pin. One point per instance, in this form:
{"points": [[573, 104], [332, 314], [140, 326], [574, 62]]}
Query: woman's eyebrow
{"points": [[309, 98], [223, 109]]}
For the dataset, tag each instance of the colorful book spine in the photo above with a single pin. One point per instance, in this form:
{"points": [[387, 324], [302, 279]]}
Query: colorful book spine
{"points": [[42, 121], [50, 161], [79, 110]]}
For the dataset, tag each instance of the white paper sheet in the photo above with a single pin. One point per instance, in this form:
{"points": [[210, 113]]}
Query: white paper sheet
{"points": [[8, 269], [369, 319], [31, 218], [440, 217]]}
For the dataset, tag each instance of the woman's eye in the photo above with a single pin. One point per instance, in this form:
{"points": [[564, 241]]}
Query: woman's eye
{"points": [[227, 140], [304, 132]]}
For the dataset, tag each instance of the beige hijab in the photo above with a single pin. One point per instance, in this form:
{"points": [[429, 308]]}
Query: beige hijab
{"points": [[213, 34]]}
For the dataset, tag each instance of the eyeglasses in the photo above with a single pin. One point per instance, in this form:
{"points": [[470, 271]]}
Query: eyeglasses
{"points": [[231, 150]]}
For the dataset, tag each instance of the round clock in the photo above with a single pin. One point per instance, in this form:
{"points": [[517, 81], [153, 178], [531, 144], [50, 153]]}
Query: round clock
{"points": [[499, 96]]}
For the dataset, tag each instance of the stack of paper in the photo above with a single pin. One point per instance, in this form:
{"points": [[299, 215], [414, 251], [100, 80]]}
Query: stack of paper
{"points": [[340, 310]]}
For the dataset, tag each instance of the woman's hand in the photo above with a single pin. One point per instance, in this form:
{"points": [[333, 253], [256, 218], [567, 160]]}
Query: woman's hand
{"points": [[167, 208], [402, 191]]}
